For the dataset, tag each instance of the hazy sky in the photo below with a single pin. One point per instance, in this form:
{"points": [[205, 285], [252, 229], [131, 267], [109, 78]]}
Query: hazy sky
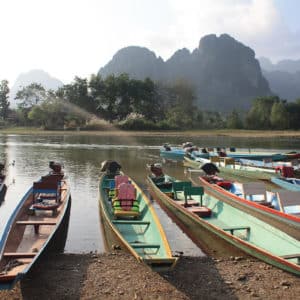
{"points": [[76, 37]]}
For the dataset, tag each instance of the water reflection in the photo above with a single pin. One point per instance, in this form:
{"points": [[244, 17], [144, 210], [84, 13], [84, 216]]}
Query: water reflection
{"points": [[82, 157]]}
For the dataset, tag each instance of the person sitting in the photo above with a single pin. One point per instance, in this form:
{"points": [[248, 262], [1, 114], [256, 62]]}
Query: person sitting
{"points": [[156, 170], [167, 147]]}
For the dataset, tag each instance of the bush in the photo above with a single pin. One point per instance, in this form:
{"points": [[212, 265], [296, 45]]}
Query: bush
{"points": [[142, 124], [96, 124]]}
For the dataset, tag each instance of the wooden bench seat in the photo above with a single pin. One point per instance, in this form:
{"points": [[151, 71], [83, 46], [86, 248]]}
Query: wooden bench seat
{"points": [[20, 254], [129, 222], [190, 202], [32, 222], [200, 211], [36, 224]]}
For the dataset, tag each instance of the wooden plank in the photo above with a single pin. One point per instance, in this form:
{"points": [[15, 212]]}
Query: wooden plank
{"points": [[129, 222], [189, 202], [20, 254], [31, 222], [291, 256], [143, 245], [200, 211]]}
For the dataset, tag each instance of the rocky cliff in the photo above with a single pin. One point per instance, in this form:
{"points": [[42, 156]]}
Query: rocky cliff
{"points": [[225, 73]]}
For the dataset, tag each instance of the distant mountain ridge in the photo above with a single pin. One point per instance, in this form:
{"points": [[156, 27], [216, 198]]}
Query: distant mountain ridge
{"points": [[225, 73], [33, 76], [285, 65], [283, 77]]}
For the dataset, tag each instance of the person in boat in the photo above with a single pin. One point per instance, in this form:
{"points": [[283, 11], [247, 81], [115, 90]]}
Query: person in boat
{"points": [[167, 147], [2, 167], [187, 145], [111, 167], [156, 170], [158, 176], [56, 167], [203, 150], [222, 152], [210, 169], [191, 149]]}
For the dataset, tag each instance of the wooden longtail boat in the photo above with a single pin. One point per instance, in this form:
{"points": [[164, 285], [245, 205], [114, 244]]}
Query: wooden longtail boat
{"points": [[253, 198], [292, 184], [37, 226], [212, 221], [179, 153], [135, 229], [228, 165]]}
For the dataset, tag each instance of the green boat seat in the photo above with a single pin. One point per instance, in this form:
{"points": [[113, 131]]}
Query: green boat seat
{"points": [[178, 186], [292, 256], [189, 191], [234, 228]]}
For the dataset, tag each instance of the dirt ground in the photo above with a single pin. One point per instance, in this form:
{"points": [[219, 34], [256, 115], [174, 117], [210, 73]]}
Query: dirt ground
{"points": [[117, 275], [110, 131]]}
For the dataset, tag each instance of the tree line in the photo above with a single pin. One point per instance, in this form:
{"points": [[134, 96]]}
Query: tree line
{"points": [[133, 104]]}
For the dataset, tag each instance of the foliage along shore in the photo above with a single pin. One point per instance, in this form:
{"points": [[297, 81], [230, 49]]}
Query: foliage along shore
{"points": [[129, 104], [188, 133]]}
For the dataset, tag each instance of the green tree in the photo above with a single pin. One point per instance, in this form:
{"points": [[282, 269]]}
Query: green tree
{"points": [[31, 95], [293, 110], [146, 100], [50, 114], [77, 93], [182, 111], [4, 102], [233, 121], [96, 87], [212, 119], [107, 102], [259, 115], [279, 117]]}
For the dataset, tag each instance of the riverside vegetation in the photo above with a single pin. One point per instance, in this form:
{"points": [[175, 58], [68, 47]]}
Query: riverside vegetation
{"points": [[130, 104]]}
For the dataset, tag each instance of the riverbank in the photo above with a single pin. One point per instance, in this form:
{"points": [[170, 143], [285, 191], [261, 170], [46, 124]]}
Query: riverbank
{"points": [[189, 133], [118, 275]]}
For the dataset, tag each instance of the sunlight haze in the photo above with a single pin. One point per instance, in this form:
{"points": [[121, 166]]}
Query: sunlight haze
{"points": [[67, 38]]}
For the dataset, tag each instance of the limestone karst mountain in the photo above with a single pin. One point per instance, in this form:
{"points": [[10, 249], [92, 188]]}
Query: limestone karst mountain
{"points": [[33, 76], [224, 72]]}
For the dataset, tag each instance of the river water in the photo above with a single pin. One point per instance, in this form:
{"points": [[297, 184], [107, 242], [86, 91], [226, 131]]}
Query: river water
{"points": [[82, 157]]}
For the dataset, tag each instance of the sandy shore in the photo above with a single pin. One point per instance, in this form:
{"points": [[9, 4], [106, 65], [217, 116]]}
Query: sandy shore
{"points": [[119, 276], [188, 133]]}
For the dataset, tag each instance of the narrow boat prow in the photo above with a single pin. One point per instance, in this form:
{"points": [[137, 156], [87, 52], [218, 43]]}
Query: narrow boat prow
{"points": [[37, 225], [129, 220]]}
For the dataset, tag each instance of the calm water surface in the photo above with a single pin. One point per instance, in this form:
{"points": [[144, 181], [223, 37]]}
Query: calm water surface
{"points": [[82, 157]]}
